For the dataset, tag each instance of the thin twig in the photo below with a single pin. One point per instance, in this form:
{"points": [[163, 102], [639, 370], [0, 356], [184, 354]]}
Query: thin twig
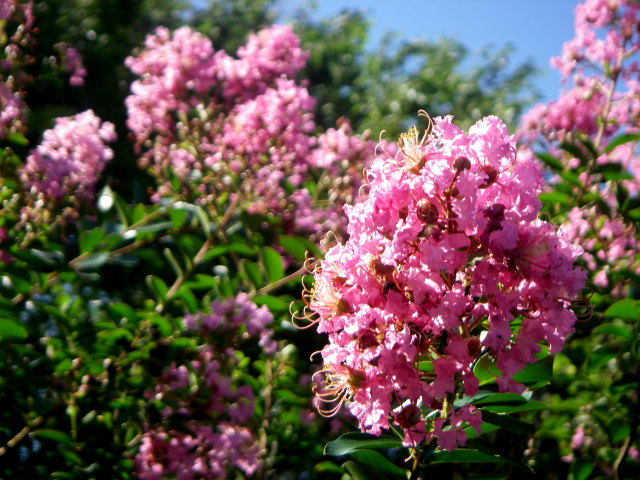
{"points": [[20, 435]]}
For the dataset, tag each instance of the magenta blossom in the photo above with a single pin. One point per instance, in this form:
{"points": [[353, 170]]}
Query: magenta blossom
{"points": [[70, 158], [446, 261]]}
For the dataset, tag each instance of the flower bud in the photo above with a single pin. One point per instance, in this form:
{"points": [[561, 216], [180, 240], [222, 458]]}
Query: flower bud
{"points": [[461, 163], [492, 176], [426, 211], [494, 212]]}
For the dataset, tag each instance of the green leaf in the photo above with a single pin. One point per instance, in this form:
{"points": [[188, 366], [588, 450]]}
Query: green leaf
{"points": [[275, 304], [158, 287], [203, 218], [327, 466], [177, 269], [273, 264], [581, 468], [576, 151], [526, 407], [350, 442], [53, 435], [374, 460], [355, 471], [122, 310], [625, 309], [189, 299], [10, 330], [501, 399], [89, 239], [550, 161], [252, 271], [239, 248], [40, 258], [178, 217], [466, 455], [201, 281], [155, 227], [536, 374], [572, 178], [555, 197], [92, 261], [616, 329], [507, 422], [617, 176], [18, 139], [297, 247], [485, 370], [600, 356], [620, 140]]}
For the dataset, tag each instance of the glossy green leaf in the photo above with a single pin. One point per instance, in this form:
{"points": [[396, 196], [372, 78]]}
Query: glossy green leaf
{"points": [[122, 310], [485, 370], [189, 299], [327, 466], [10, 330], [466, 455], [377, 462], [550, 161], [178, 217], [90, 239], [252, 271], [620, 140], [53, 435], [201, 281], [600, 357], [177, 269], [536, 374], [92, 261], [273, 264], [507, 422], [356, 471], [17, 139], [576, 151], [555, 197], [616, 329], [501, 399], [157, 286], [526, 407], [275, 304], [581, 468], [350, 442], [625, 309]]}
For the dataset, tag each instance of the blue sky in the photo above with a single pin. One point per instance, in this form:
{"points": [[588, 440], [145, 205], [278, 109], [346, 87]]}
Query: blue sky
{"points": [[537, 29]]}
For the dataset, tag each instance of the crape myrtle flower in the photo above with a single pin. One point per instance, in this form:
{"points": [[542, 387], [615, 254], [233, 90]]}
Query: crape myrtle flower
{"points": [[208, 124], [68, 162], [446, 261]]}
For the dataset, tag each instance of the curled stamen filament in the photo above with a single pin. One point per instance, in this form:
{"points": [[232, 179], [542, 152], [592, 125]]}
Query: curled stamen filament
{"points": [[335, 391]]}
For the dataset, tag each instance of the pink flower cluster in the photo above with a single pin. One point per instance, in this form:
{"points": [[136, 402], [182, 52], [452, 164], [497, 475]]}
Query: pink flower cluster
{"points": [[69, 160], [203, 387], [446, 262], [72, 63], [237, 314], [603, 101], [236, 125], [202, 454], [602, 64], [17, 18], [610, 245]]}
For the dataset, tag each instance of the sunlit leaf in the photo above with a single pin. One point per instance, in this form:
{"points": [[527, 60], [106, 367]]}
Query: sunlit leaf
{"points": [[350, 442]]}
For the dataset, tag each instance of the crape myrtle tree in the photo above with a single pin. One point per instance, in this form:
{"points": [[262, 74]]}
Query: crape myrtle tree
{"points": [[164, 337]]}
